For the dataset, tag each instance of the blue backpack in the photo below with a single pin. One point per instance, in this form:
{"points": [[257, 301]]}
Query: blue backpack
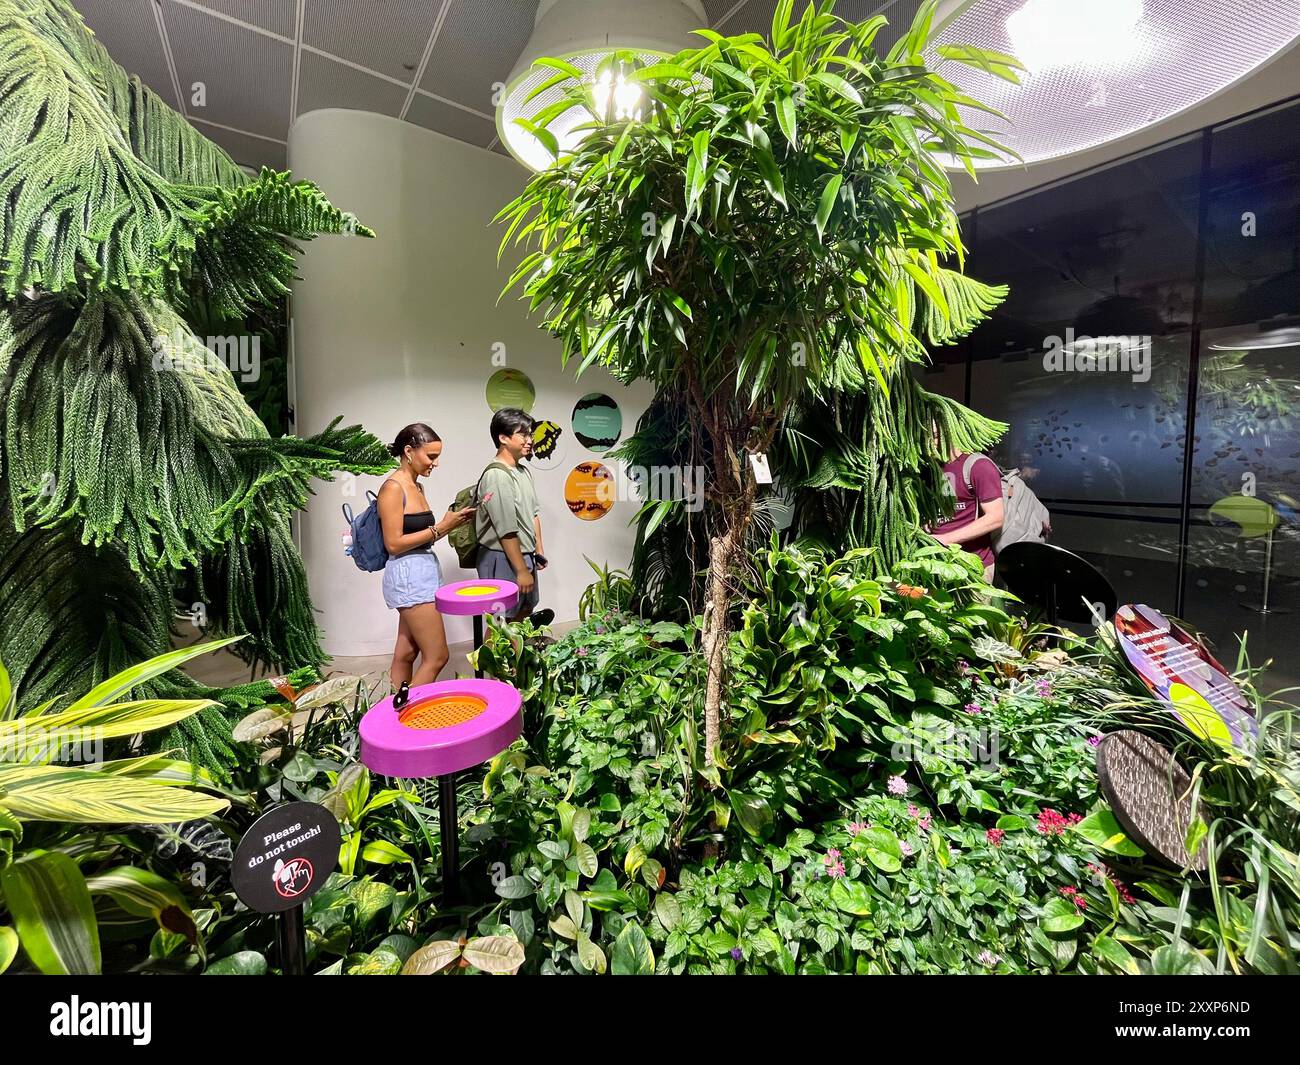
{"points": [[367, 549]]}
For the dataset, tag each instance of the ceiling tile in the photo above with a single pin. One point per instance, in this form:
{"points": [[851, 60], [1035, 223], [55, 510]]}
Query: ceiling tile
{"points": [[128, 30], [325, 83], [389, 37], [278, 16], [477, 47], [247, 151], [247, 75], [436, 115]]}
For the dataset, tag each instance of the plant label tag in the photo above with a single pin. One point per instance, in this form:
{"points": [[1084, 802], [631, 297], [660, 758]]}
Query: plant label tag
{"points": [[758, 463]]}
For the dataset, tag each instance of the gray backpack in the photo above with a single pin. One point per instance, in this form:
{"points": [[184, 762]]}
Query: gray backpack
{"points": [[1024, 516]]}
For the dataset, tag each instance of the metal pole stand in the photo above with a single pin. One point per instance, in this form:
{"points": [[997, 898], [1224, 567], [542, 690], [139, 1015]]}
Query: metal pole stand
{"points": [[1264, 608], [478, 640], [293, 942], [449, 827]]}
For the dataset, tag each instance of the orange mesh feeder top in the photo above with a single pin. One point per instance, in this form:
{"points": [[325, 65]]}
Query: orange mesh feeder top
{"points": [[442, 711]]}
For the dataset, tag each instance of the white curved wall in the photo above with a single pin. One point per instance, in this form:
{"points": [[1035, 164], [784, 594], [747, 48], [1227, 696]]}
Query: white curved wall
{"points": [[402, 328]]}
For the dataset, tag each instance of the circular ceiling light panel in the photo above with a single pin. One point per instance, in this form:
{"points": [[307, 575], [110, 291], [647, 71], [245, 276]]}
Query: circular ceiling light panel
{"points": [[585, 33], [1099, 70]]}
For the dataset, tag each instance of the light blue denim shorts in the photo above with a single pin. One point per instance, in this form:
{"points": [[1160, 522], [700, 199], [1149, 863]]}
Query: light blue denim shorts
{"points": [[411, 579]]}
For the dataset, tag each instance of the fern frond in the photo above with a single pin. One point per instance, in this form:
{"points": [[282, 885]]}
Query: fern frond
{"points": [[78, 202], [969, 303]]}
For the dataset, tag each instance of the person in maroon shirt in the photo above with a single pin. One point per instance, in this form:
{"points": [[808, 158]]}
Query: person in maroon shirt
{"points": [[978, 513]]}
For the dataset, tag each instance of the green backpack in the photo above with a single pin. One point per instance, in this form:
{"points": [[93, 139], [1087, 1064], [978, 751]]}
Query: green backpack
{"points": [[465, 537]]}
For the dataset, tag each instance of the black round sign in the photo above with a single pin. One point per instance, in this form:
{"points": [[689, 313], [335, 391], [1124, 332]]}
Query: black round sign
{"points": [[285, 857]]}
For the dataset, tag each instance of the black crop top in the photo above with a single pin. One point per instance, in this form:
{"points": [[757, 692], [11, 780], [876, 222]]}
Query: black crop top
{"points": [[415, 522]]}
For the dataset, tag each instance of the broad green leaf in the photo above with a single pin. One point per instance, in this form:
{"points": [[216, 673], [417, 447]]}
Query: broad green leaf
{"points": [[827, 203], [771, 174], [336, 690], [1101, 829], [494, 954], [563, 926], [588, 863], [432, 958], [632, 955], [8, 701], [382, 852], [121, 683], [243, 963], [752, 811], [1178, 959], [100, 722], [668, 910], [1061, 918], [851, 896], [590, 955], [57, 793], [8, 947], [145, 894], [1113, 953], [514, 887], [53, 913], [838, 86], [787, 118]]}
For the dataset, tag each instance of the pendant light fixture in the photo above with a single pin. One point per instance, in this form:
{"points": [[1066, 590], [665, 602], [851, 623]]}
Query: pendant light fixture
{"points": [[586, 32], [1100, 70]]}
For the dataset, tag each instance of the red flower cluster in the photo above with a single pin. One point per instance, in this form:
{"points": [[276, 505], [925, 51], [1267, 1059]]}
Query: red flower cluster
{"points": [[1075, 896], [1102, 870], [994, 836], [1051, 823]]}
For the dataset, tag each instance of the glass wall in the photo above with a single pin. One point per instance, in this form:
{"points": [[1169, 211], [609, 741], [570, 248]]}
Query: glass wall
{"points": [[1155, 304]]}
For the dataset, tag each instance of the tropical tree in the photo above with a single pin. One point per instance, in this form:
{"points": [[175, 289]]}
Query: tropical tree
{"points": [[134, 478], [774, 230]]}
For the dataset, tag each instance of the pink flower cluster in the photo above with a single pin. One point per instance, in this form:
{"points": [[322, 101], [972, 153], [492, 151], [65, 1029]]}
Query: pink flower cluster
{"points": [[973, 708], [834, 867], [897, 786], [1044, 687], [923, 823], [1051, 823], [1075, 896], [858, 826], [994, 836]]}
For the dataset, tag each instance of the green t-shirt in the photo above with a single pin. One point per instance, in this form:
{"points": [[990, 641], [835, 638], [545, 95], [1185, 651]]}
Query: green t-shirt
{"points": [[512, 508]]}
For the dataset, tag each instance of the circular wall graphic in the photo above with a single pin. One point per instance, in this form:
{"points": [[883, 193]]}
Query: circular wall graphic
{"points": [[1149, 793], [589, 491], [510, 388], [597, 421], [548, 445]]}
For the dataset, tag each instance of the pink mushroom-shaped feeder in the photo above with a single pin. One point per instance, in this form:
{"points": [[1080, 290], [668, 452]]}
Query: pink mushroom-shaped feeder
{"points": [[475, 598], [441, 729]]}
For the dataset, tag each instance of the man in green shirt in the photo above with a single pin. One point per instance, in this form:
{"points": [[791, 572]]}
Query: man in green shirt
{"points": [[508, 521]]}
